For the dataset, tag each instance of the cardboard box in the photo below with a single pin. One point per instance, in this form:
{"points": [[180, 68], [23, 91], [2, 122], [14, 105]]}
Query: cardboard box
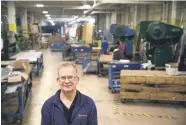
{"points": [[19, 78], [22, 64], [105, 58], [54, 39], [44, 45]]}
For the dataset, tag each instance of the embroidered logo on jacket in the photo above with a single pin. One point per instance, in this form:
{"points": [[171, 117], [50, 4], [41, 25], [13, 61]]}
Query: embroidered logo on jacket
{"points": [[81, 116]]}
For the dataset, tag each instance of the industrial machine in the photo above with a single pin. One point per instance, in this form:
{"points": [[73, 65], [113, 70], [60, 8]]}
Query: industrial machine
{"points": [[157, 41], [122, 33]]}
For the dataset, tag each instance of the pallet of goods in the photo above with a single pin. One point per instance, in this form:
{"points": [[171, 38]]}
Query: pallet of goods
{"points": [[152, 85]]}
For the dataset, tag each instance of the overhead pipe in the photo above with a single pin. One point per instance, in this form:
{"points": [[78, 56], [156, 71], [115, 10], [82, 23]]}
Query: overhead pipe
{"points": [[92, 8], [94, 12], [118, 2]]}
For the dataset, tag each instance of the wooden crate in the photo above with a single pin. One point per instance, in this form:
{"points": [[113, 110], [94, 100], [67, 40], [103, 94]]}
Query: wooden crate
{"points": [[152, 85]]}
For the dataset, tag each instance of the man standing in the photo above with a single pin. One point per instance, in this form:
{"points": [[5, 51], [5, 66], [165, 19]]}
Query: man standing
{"points": [[104, 46], [68, 106]]}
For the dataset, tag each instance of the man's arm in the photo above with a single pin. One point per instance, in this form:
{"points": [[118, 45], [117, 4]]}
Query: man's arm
{"points": [[92, 118], [45, 116]]}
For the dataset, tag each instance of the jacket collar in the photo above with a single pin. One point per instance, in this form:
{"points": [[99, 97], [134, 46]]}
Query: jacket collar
{"points": [[80, 99]]}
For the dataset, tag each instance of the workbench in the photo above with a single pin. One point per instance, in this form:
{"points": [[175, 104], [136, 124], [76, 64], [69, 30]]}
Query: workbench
{"points": [[114, 72], [152, 85], [103, 64], [35, 58], [23, 90]]}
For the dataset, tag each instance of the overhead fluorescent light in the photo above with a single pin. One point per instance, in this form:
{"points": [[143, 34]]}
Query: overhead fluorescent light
{"points": [[47, 15], [86, 6], [39, 5], [75, 17], [45, 12]]}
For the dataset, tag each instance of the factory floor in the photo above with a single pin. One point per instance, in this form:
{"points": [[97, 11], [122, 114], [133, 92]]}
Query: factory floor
{"points": [[109, 111]]}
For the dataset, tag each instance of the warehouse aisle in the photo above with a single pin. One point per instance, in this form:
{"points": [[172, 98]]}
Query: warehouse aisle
{"points": [[107, 106]]}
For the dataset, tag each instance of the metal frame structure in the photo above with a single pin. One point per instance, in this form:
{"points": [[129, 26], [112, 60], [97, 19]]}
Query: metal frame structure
{"points": [[100, 68], [82, 50], [38, 63], [23, 90], [114, 73], [86, 60]]}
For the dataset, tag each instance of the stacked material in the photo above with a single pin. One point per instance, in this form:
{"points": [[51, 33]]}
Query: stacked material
{"points": [[152, 85], [54, 39]]}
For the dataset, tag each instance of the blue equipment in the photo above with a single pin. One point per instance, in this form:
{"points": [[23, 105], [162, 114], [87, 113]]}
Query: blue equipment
{"points": [[114, 72], [57, 46], [78, 51], [124, 34]]}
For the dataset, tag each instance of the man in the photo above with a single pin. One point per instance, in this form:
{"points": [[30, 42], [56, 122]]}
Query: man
{"points": [[122, 48], [104, 46], [68, 106], [117, 54]]}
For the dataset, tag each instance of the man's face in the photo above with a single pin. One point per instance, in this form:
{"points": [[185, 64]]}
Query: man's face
{"points": [[67, 78]]}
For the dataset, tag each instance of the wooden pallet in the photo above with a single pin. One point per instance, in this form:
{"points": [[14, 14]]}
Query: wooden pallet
{"points": [[152, 85], [93, 55]]}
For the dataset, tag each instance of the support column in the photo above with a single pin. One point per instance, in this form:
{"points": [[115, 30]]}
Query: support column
{"points": [[97, 22], [173, 14], [12, 16], [135, 17], [36, 20], [163, 13], [114, 18], [31, 18], [24, 23], [127, 16], [166, 12], [108, 21], [31, 22]]}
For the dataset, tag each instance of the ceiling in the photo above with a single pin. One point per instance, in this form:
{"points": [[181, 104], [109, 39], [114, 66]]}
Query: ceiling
{"points": [[66, 9]]}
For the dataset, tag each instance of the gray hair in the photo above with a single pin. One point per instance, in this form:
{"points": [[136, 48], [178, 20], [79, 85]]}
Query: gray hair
{"points": [[67, 65]]}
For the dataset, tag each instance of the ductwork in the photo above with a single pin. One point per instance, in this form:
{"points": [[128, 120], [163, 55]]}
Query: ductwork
{"points": [[94, 12], [92, 8], [118, 2]]}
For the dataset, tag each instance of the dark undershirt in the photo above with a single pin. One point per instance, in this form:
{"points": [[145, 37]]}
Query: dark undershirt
{"points": [[68, 112]]}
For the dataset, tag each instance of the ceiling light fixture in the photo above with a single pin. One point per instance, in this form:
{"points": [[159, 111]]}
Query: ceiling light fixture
{"points": [[86, 6], [45, 12], [39, 5]]}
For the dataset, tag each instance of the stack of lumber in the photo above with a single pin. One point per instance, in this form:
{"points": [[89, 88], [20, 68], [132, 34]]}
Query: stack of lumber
{"points": [[152, 85]]}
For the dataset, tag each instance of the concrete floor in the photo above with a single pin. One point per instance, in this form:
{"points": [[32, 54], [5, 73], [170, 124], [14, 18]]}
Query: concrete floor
{"points": [[97, 88]]}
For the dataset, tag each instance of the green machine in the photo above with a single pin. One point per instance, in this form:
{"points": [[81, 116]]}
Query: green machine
{"points": [[157, 41]]}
